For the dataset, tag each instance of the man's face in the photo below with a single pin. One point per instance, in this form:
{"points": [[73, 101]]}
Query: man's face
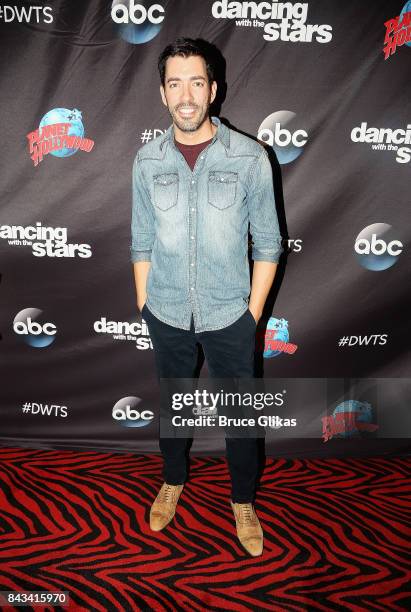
{"points": [[186, 91]]}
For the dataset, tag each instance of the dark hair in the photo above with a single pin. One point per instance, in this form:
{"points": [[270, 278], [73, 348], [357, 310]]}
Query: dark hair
{"points": [[185, 47]]}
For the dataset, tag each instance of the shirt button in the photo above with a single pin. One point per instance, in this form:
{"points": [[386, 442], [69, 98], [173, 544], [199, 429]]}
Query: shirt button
{"points": [[222, 179], [192, 237], [192, 288], [191, 264], [193, 181], [193, 209]]}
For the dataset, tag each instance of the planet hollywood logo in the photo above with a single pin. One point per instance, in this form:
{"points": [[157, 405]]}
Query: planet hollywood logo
{"points": [[285, 21], [123, 330], [275, 339], [130, 412], [398, 31], [285, 134], [137, 22], [385, 139], [45, 241], [27, 325], [350, 418], [377, 247], [60, 133]]}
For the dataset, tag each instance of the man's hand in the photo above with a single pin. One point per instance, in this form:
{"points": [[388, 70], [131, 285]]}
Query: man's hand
{"points": [[141, 270], [256, 315], [263, 276]]}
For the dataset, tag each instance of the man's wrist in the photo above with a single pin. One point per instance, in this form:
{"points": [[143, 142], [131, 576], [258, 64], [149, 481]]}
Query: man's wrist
{"points": [[256, 312]]}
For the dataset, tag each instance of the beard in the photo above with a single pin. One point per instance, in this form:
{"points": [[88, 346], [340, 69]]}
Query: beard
{"points": [[192, 123]]}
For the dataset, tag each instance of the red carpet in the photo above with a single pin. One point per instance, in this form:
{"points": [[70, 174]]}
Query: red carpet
{"points": [[336, 534]]}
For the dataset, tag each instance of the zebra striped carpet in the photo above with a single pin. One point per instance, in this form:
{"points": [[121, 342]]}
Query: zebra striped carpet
{"points": [[336, 534]]}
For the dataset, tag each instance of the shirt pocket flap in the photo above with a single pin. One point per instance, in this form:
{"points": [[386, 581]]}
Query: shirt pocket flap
{"points": [[222, 188], [165, 190]]}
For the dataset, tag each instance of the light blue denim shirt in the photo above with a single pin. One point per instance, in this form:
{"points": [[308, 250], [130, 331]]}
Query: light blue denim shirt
{"points": [[193, 226]]}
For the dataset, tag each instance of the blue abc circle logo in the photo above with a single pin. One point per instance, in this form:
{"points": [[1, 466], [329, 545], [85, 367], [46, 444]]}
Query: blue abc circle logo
{"points": [[26, 325], [137, 22], [283, 131], [130, 412], [64, 115], [377, 248]]}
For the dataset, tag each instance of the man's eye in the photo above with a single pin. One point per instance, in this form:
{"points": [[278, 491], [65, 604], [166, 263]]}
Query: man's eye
{"points": [[199, 83]]}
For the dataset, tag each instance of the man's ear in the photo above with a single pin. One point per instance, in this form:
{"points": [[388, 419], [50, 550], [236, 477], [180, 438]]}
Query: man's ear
{"points": [[213, 91], [163, 97]]}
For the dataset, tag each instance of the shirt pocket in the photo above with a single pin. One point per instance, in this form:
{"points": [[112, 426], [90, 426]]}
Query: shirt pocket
{"points": [[165, 190], [222, 188]]}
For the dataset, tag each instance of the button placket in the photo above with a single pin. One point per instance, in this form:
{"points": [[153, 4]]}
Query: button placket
{"points": [[192, 231], [192, 247]]}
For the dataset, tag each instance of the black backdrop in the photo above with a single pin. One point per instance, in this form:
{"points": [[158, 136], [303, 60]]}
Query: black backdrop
{"points": [[103, 77]]}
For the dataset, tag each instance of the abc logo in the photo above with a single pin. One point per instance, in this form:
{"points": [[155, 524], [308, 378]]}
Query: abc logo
{"points": [[137, 13], [32, 327], [376, 247], [283, 137], [26, 325], [285, 133], [125, 411]]}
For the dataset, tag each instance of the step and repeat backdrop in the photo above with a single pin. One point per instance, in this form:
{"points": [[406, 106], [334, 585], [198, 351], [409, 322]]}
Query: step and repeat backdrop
{"points": [[325, 86]]}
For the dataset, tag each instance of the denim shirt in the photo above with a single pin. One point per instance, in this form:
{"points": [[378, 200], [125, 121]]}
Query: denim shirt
{"points": [[193, 226]]}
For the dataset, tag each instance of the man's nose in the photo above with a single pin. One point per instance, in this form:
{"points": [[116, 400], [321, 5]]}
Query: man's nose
{"points": [[186, 94]]}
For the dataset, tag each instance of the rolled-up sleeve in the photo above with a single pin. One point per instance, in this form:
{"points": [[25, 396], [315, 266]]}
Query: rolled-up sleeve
{"points": [[142, 218], [264, 226]]}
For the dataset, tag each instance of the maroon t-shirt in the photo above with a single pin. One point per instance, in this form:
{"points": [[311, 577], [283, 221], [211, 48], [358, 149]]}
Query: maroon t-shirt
{"points": [[191, 152]]}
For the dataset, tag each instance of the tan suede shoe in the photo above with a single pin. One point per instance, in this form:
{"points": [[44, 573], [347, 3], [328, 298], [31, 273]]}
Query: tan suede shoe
{"points": [[249, 530], [164, 506]]}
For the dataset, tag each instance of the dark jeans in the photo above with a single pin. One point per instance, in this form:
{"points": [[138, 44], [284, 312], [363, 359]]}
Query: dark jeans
{"points": [[229, 352]]}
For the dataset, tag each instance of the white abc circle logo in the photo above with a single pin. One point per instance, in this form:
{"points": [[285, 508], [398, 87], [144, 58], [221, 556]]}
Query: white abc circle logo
{"points": [[125, 411], [376, 248], [38, 335], [282, 131], [137, 13], [32, 327]]}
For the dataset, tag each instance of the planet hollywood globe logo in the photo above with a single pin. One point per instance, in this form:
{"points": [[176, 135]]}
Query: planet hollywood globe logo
{"points": [[350, 418], [398, 31], [27, 325], [137, 22], [276, 339], [284, 132], [377, 247], [60, 133], [406, 9]]}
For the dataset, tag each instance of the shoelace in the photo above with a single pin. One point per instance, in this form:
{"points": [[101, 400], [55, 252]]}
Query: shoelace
{"points": [[167, 493], [246, 513]]}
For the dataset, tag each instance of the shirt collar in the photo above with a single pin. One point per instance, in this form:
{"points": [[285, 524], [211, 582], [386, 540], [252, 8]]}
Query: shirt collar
{"points": [[222, 134]]}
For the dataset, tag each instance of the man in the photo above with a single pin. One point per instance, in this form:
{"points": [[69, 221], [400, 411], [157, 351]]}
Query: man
{"points": [[195, 189]]}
